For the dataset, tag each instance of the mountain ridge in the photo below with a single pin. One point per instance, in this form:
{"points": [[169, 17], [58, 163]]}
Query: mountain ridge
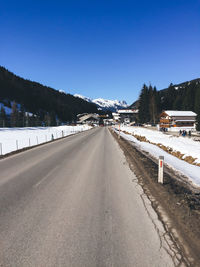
{"points": [[163, 91], [41, 100], [105, 104]]}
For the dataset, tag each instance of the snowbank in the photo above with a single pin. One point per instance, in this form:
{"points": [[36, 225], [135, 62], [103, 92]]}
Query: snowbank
{"points": [[189, 170], [185, 145], [12, 139]]}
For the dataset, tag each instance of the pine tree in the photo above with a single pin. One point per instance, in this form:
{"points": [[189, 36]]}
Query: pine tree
{"points": [[197, 107], [47, 120], [144, 105], [198, 119], [152, 104], [52, 119], [188, 100], [169, 97], [22, 116], [14, 115], [27, 119], [3, 118], [197, 100]]}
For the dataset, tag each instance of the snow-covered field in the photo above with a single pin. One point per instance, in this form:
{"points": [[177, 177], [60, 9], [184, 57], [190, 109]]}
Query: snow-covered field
{"points": [[12, 139], [186, 146]]}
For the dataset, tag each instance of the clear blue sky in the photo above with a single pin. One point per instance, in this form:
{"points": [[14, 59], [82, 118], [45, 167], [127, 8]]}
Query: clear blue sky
{"points": [[101, 48]]}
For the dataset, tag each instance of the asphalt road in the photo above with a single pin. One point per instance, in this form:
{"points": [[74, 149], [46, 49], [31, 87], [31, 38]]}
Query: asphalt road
{"points": [[75, 202]]}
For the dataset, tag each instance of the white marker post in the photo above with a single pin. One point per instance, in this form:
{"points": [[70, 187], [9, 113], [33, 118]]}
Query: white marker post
{"points": [[119, 132], [1, 149], [160, 169], [16, 144]]}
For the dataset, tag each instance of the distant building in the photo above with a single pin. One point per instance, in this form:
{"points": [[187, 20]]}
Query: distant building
{"points": [[125, 115], [116, 117], [88, 118], [178, 120]]}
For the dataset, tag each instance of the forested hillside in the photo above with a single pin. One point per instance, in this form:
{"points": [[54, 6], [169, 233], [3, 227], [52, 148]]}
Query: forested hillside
{"points": [[47, 105], [184, 96]]}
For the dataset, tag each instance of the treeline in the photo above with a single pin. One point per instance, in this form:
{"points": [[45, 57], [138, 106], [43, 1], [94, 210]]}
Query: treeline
{"points": [[42, 101], [185, 96], [149, 104], [20, 118]]}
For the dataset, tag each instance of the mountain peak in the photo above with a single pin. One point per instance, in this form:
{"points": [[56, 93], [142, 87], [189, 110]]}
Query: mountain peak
{"points": [[105, 104]]}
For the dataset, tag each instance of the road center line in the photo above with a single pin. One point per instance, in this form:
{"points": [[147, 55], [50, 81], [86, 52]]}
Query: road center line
{"points": [[45, 177]]}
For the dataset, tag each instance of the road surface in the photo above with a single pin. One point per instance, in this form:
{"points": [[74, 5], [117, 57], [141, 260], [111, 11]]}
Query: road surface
{"points": [[75, 202]]}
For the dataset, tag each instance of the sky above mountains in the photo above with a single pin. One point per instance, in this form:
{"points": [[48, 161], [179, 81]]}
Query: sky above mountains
{"points": [[106, 48]]}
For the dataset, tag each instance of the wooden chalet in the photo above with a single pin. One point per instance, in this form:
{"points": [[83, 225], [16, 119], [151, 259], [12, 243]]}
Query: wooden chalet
{"points": [[178, 119]]}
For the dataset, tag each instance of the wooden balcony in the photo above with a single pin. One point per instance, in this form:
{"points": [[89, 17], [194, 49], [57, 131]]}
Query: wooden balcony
{"points": [[165, 121]]}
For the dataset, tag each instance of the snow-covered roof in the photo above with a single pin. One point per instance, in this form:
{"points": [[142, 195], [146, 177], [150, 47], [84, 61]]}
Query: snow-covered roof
{"points": [[186, 120], [125, 111], [179, 113], [88, 116]]}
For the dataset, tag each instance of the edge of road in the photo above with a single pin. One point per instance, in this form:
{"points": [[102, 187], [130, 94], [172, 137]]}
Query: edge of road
{"points": [[42, 144], [174, 202]]}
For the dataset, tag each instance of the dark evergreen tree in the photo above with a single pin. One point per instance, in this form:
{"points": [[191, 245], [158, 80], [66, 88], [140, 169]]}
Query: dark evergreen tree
{"points": [[27, 119], [14, 117], [52, 119], [198, 119], [47, 120], [21, 115], [3, 117], [197, 107], [144, 105], [167, 100], [153, 104]]}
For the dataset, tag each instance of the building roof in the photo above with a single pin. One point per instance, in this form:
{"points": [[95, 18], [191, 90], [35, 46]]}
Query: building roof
{"points": [[126, 111], [184, 120], [88, 116], [179, 113]]}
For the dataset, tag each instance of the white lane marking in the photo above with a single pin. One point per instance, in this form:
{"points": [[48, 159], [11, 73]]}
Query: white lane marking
{"points": [[45, 177]]}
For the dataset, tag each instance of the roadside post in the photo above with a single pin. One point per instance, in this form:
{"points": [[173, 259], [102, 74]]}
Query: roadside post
{"points": [[160, 169], [119, 132], [0, 149]]}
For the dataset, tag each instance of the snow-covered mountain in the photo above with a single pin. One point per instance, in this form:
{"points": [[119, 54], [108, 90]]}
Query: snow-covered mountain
{"points": [[105, 104]]}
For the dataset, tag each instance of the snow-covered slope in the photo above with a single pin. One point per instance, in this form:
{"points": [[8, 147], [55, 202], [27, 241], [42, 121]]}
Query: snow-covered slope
{"points": [[105, 104]]}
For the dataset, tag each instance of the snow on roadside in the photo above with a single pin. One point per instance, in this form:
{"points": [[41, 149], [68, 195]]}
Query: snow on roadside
{"points": [[189, 170], [12, 139], [185, 145]]}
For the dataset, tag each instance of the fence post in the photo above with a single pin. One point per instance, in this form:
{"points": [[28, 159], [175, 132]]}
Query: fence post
{"points": [[37, 139], [1, 149], [160, 169], [29, 142], [119, 132], [17, 144], [46, 137]]}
